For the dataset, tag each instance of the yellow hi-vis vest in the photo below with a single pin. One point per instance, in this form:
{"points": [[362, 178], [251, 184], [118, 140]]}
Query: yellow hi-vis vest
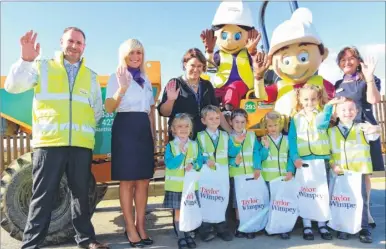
{"points": [[218, 153], [286, 93], [276, 163], [243, 68], [246, 165], [61, 117], [174, 178], [353, 152], [310, 140]]}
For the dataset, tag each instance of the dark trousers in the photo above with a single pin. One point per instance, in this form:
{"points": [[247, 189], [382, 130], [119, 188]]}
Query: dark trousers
{"points": [[49, 165], [365, 214]]}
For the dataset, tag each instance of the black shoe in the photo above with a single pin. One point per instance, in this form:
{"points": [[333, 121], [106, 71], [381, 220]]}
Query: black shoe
{"points": [[372, 225], [365, 236], [308, 236], [138, 244], [208, 236], [251, 235], [226, 236], [327, 235], [148, 241], [285, 236], [182, 243], [190, 242], [239, 234], [342, 235]]}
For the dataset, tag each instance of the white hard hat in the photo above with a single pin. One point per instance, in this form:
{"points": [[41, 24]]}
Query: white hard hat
{"points": [[298, 29], [236, 13]]}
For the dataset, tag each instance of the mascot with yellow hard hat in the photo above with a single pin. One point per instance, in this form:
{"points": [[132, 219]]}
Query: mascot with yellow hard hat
{"points": [[233, 32], [295, 55]]}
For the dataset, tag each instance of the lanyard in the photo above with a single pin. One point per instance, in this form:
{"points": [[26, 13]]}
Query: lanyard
{"points": [[214, 145]]}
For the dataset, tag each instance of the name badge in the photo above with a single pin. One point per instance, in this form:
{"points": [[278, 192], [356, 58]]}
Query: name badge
{"points": [[83, 91], [339, 90]]}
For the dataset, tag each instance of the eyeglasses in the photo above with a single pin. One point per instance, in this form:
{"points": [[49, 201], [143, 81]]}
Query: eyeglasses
{"points": [[344, 60]]}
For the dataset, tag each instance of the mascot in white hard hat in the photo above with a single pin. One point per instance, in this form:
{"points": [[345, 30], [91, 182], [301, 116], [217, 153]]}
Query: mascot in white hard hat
{"points": [[296, 53], [233, 32]]}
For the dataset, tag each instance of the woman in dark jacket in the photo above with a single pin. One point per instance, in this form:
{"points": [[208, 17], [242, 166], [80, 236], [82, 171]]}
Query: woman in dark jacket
{"points": [[190, 93], [360, 84]]}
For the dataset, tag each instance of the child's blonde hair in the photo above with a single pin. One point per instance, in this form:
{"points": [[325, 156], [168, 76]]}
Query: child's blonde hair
{"points": [[273, 116], [182, 117], [209, 108], [321, 94]]}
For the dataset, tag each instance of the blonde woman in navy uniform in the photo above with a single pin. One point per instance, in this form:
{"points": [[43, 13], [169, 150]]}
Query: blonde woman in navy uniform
{"points": [[130, 94]]}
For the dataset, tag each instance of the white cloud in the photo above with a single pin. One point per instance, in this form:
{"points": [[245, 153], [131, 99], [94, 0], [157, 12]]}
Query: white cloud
{"points": [[331, 72]]}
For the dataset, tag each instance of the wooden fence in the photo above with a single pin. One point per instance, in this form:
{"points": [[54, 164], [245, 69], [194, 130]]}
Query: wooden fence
{"points": [[11, 147]]}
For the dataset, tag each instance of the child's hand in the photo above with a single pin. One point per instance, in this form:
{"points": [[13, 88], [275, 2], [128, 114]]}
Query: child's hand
{"points": [[298, 163], [211, 164], [337, 100], [240, 138], [182, 148], [189, 167], [239, 159], [265, 141], [368, 128], [256, 174], [288, 176], [337, 169]]}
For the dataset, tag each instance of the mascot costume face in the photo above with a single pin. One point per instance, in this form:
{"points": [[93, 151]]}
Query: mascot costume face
{"points": [[297, 52], [233, 33]]}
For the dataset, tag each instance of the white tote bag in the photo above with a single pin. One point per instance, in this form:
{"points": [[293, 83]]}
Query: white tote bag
{"points": [[346, 203], [252, 203], [283, 209], [190, 213], [214, 193], [314, 199]]}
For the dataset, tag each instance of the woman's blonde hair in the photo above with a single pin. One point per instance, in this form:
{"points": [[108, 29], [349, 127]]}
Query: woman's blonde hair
{"points": [[273, 116], [182, 117], [321, 94], [126, 47]]}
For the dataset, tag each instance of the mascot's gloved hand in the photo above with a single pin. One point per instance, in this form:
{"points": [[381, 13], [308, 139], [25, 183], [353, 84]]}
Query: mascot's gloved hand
{"points": [[253, 39], [261, 63], [209, 40]]}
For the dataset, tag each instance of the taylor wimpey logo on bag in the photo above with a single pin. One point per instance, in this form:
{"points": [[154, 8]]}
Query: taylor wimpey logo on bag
{"points": [[310, 193], [252, 203], [211, 194], [190, 200], [283, 206], [341, 201]]}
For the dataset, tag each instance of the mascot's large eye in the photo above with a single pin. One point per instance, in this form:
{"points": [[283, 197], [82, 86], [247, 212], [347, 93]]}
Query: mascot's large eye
{"points": [[286, 60], [303, 57], [224, 35], [238, 36]]}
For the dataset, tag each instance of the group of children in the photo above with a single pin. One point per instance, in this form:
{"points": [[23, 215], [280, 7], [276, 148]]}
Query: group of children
{"points": [[310, 137]]}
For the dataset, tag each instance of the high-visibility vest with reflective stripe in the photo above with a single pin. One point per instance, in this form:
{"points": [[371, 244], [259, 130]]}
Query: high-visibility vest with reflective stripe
{"points": [[310, 140], [276, 163], [61, 118], [174, 178], [243, 68], [218, 154], [353, 152], [246, 165]]}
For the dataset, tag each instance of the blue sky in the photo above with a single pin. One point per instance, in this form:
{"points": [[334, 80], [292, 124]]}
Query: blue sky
{"points": [[168, 29]]}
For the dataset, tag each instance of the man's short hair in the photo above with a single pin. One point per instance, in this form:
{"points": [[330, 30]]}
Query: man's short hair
{"points": [[75, 29]]}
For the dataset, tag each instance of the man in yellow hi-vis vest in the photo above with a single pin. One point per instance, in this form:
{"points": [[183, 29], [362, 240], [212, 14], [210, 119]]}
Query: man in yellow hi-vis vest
{"points": [[67, 105]]}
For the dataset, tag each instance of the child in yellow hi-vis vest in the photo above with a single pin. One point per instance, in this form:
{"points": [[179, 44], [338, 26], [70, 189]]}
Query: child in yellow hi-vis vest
{"points": [[350, 150], [308, 140], [216, 147], [274, 154], [181, 155], [248, 161]]}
